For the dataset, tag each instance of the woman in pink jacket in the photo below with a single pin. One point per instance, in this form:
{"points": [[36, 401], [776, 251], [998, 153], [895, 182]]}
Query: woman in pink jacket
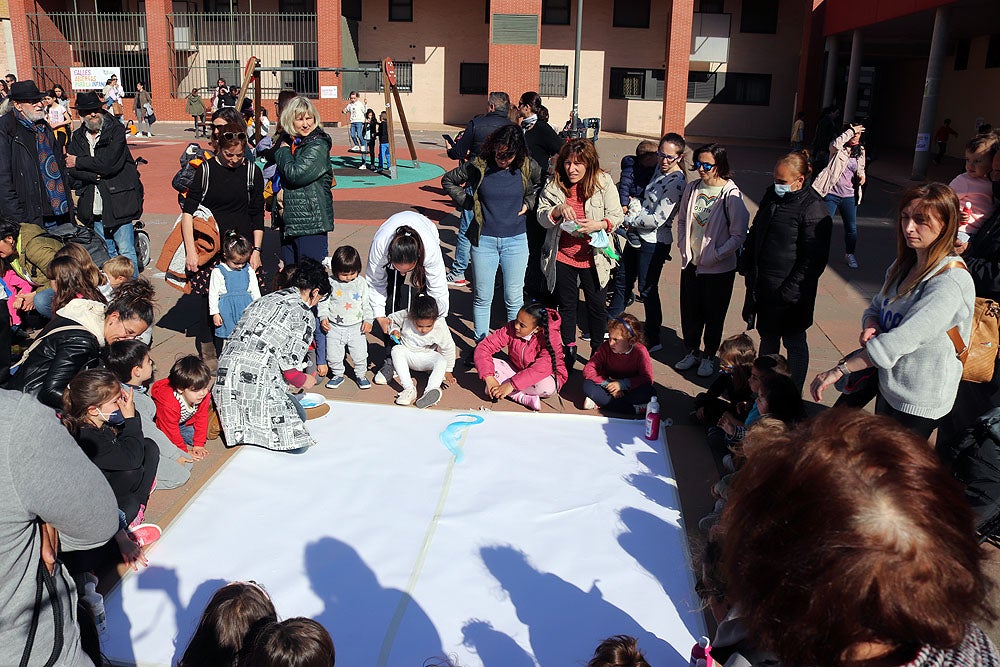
{"points": [[535, 370], [711, 227]]}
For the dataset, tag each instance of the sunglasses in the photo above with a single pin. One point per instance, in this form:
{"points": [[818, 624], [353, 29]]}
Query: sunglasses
{"points": [[233, 135], [668, 158], [707, 166]]}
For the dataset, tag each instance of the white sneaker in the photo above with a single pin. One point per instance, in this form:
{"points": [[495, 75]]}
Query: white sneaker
{"points": [[852, 261], [385, 373], [407, 396], [588, 404], [687, 363], [706, 368]]}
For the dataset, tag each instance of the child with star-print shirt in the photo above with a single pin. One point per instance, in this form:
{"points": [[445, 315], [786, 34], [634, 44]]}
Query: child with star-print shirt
{"points": [[346, 316]]}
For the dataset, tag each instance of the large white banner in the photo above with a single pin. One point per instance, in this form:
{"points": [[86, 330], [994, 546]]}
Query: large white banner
{"points": [[549, 534], [92, 78]]}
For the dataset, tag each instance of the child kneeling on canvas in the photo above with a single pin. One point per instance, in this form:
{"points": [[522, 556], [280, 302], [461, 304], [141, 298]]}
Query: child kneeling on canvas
{"points": [[619, 375], [424, 343], [535, 371], [181, 408]]}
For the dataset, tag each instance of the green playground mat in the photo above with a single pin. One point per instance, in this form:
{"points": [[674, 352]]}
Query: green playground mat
{"points": [[349, 175]]}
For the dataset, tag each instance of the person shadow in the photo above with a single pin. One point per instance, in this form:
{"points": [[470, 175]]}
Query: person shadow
{"points": [[361, 615], [494, 648], [566, 623]]}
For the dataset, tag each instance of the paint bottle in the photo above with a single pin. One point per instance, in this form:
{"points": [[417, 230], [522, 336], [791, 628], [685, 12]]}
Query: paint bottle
{"points": [[95, 602], [653, 419]]}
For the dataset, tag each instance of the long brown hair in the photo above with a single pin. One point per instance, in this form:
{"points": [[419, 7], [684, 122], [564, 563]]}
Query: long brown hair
{"points": [[87, 389], [80, 254], [69, 281], [936, 199], [584, 151]]}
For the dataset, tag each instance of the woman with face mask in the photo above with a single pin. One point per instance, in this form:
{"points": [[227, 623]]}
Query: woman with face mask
{"points": [[785, 253]]}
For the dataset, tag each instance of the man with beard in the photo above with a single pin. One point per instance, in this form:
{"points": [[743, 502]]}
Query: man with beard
{"points": [[33, 178], [104, 175]]}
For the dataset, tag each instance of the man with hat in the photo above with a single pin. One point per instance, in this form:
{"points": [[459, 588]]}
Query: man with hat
{"points": [[105, 177], [33, 179]]}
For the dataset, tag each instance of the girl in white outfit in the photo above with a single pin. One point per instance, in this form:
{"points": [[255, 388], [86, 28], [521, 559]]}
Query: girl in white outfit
{"points": [[423, 343]]}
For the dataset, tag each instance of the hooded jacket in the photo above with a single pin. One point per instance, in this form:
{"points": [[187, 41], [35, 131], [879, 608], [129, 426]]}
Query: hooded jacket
{"points": [[528, 356], [35, 252], [61, 355], [306, 178], [724, 233]]}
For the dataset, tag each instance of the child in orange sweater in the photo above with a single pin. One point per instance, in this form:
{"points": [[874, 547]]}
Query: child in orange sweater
{"points": [[181, 408]]}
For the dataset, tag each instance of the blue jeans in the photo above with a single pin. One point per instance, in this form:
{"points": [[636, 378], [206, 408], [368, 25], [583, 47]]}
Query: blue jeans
{"points": [[383, 157], [43, 302], [463, 245], [121, 242], [511, 254], [356, 131], [849, 212], [644, 264], [187, 434]]}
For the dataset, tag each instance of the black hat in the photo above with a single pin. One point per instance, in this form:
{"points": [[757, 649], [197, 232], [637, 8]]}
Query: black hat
{"points": [[88, 102], [25, 91]]}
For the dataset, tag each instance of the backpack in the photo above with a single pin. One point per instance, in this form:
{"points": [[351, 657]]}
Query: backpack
{"points": [[973, 456], [68, 232], [192, 156]]}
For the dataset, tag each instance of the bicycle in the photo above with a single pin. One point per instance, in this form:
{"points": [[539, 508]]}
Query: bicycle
{"points": [[140, 237]]}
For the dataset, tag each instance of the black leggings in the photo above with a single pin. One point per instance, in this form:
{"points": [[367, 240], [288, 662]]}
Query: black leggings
{"points": [[569, 281], [922, 426], [704, 302]]}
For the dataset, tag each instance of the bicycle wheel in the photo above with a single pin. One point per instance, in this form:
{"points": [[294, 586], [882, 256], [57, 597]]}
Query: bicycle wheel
{"points": [[142, 249]]}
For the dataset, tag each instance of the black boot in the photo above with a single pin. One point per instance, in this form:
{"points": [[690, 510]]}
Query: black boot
{"points": [[569, 355]]}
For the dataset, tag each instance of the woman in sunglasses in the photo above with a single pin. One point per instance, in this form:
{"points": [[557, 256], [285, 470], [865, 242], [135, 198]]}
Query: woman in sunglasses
{"points": [[711, 226], [649, 222], [504, 182], [303, 164]]}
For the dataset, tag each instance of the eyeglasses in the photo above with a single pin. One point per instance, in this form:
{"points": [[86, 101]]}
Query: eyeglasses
{"points": [[668, 158], [707, 166], [233, 135]]}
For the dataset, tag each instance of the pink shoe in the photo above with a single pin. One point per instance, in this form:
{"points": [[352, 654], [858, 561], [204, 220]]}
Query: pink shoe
{"points": [[139, 517], [146, 534]]}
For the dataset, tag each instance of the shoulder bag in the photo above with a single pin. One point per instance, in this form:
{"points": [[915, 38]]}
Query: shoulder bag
{"points": [[980, 355]]}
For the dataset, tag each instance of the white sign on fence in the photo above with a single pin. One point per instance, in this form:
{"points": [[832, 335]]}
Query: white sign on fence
{"points": [[92, 78], [328, 92]]}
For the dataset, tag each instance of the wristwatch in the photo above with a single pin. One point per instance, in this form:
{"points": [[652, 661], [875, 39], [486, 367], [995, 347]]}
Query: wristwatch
{"points": [[256, 249], [842, 367]]}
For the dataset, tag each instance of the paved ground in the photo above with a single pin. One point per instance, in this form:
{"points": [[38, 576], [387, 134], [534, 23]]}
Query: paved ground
{"points": [[843, 293]]}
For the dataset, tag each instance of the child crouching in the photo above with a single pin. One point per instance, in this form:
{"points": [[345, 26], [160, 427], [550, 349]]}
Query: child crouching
{"points": [[619, 376], [424, 344], [181, 408]]}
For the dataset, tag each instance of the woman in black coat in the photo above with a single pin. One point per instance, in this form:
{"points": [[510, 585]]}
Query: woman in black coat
{"points": [[784, 255]]}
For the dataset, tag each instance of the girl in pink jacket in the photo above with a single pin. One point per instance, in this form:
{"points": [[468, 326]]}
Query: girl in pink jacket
{"points": [[15, 285], [535, 370]]}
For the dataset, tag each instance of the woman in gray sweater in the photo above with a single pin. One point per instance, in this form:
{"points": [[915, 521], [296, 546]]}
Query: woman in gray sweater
{"points": [[927, 291]]}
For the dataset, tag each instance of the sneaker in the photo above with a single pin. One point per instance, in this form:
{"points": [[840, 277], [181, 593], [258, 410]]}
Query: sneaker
{"points": [[585, 336], [655, 347], [335, 382], [407, 396], [363, 382], [852, 261], [588, 404], [385, 373], [706, 368], [687, 363], [457, 279], [430, 397], [146, 533]]}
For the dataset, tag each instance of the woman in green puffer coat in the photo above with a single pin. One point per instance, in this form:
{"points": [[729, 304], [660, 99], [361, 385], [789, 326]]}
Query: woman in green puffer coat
{"points": [[306, 175]]}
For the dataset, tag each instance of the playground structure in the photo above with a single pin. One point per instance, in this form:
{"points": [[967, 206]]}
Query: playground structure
{"points": [[393, 103]]}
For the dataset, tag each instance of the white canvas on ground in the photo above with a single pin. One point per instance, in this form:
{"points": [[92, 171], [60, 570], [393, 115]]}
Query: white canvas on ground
{"points": [[552, 533]]}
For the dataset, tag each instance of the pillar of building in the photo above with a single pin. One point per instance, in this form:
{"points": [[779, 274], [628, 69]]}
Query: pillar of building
{"points": [[170, 104], [677, 64], [19, 10], [830, 77], [810, 58], [853, 78], [515, 46], [932, 84], [329, 53]]}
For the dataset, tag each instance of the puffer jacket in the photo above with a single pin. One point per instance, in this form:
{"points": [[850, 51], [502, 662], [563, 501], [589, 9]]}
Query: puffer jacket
{"points": [[634, 179], [603, 204], [35, 251], [471, 174], [528, 357], [784, 255], [306, 178], [61, 355]]}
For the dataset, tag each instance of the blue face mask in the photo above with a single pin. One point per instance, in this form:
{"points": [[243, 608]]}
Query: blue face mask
{"points": [[116, 418], [782, 189]]}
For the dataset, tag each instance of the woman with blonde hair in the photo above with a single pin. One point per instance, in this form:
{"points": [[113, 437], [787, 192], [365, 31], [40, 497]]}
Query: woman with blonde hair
{"points": [[927, 291], [306, 175], [581, 196]]}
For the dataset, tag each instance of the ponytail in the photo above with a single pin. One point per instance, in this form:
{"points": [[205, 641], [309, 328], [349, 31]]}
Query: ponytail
{"points": [[406, 247]]}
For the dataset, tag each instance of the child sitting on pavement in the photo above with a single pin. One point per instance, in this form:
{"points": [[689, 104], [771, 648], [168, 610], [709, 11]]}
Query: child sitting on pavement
{"points": [[181, 408]]}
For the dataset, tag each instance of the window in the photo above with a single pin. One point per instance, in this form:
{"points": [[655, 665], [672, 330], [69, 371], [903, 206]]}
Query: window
{"points": [[636, 84], [400, 10], [553, 80], [993, 52], [473, 78], [555, 12], [729, 88], [305, 83], [962, 54], [296, 7], [109, 6], [631, 14], [712, 6], [220, 6], [351, 9], [759, 16], [229, 70], [372, 83]]}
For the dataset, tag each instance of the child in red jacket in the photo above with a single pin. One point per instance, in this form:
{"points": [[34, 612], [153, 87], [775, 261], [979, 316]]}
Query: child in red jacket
{"points": [[181, 408], [535, 371], [619, 376]]}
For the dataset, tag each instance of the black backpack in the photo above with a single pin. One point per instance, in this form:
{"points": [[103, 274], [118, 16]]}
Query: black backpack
{"points": [[974, 458], [185, 176], [67, 232]]}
